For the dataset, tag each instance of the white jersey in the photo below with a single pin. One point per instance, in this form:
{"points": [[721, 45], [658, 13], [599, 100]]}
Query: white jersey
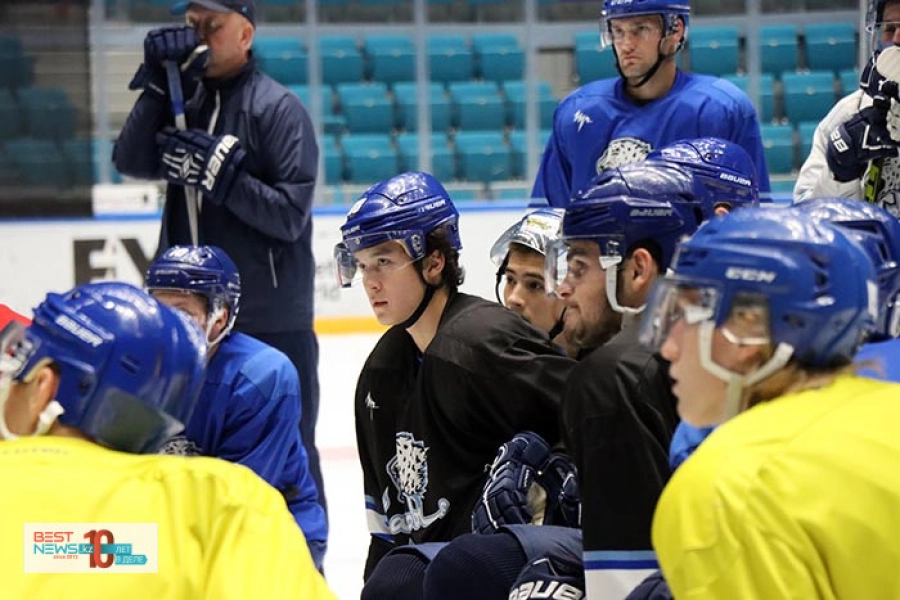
{"points": [[815, 179]]}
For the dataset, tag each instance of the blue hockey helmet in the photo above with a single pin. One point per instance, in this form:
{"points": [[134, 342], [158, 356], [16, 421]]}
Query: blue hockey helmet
{"points": [[670, 11], [404, 209], [621, 208], [818, 284], [812, 286], [203, 270], [878, 232], [722, 170], [130, 369]]}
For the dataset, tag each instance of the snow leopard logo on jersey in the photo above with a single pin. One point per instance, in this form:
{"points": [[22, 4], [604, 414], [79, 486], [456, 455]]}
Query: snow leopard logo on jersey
{"points": [[409, 472], [180, 446], [623, 151]]}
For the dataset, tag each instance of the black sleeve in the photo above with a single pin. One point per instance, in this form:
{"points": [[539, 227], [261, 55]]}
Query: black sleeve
{"points": [[618, 439], [136, 153]]}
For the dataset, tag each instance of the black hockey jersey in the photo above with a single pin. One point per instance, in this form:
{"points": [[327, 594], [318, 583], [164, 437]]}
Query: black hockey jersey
{"points": [[428, 425], [618, 415]]}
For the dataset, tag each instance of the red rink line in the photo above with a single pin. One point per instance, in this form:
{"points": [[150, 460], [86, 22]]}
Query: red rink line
{"points": [[336, 453]]}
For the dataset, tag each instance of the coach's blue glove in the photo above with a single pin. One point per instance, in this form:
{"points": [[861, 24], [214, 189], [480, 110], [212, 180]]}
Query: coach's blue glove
{"points": [[197, 159], [176, 44], [863, 138], [527, 484]]}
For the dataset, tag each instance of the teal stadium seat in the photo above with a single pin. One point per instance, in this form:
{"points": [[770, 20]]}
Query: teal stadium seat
{"points": [[47, 113], [806, 131], [779, 49], [498, 56], [778, 145], [593, 62], [766, 105], [519, 146], [39, 162], [450, 58], [830, 46], [849, 81], [407, 106], [10, 120], [516, 95], [334, 160], [478, 106], [807, 96], [282, 58], [342, 62], [391, 58], [369, 158], [16, 68], [332, 123], [483, 156], [366, 107], [79, 156], [714, 50], [443, 159]]}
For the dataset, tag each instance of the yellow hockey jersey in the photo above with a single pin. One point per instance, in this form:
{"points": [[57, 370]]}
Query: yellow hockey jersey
{"points": [[796, 498], [221, 532]]}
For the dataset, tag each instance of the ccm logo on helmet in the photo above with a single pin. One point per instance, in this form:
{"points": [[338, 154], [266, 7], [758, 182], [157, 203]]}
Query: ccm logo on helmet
{"points": [[215, 163], [742, 274], [553, 591]]}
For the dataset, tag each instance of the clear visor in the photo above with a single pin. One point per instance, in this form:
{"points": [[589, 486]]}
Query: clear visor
{"points": [[672, 302], [565, 264], [380, 263], [881, 35], [535, 231]]}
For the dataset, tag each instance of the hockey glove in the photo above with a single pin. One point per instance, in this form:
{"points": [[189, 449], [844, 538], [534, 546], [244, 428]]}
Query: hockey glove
{"points": [[863, 138], [171, 43], [527, 484], [880, 75], [194, 158]]}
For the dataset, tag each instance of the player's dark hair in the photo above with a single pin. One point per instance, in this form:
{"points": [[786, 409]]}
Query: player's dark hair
{"points": [[453, 274]]}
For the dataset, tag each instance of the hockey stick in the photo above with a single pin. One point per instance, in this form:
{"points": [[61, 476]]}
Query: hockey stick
{"points": [[173, 74]]}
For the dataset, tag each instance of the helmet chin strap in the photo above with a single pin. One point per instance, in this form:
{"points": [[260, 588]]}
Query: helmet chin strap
{"points": [[660, 58], [628, 313], [426, 300], [559, 325], [210, 323], [736, 382], [46, 419]]}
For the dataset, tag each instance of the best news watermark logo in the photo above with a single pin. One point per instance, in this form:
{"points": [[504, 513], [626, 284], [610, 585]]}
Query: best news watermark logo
{"points": [[90, 548]]}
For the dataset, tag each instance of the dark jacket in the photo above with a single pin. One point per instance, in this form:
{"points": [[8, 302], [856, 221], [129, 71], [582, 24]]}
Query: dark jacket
{"points": [[265, 224]]}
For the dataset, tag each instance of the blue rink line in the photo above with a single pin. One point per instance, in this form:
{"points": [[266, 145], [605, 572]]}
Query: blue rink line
{"points": [[464, 206]]}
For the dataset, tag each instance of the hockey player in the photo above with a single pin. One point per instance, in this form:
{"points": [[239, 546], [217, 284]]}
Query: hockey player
{"points": [[453, 378], [879, 233], [519, 257], [855, 151], [611, 122], [762, 316], [250, 404], [103, 373]]}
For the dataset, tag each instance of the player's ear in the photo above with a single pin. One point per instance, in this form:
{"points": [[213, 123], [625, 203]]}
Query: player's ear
{"points": [[247, 32], [433, 267], [46, 385], [643, 270]]}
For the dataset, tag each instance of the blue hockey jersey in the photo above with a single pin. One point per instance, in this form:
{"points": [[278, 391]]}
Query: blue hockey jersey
{"points": [[248, 413], [598, 127], [881, 360]]}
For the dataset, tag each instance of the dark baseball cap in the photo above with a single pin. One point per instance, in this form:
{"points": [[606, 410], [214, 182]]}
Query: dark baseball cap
{"points": [[247, 8]]}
